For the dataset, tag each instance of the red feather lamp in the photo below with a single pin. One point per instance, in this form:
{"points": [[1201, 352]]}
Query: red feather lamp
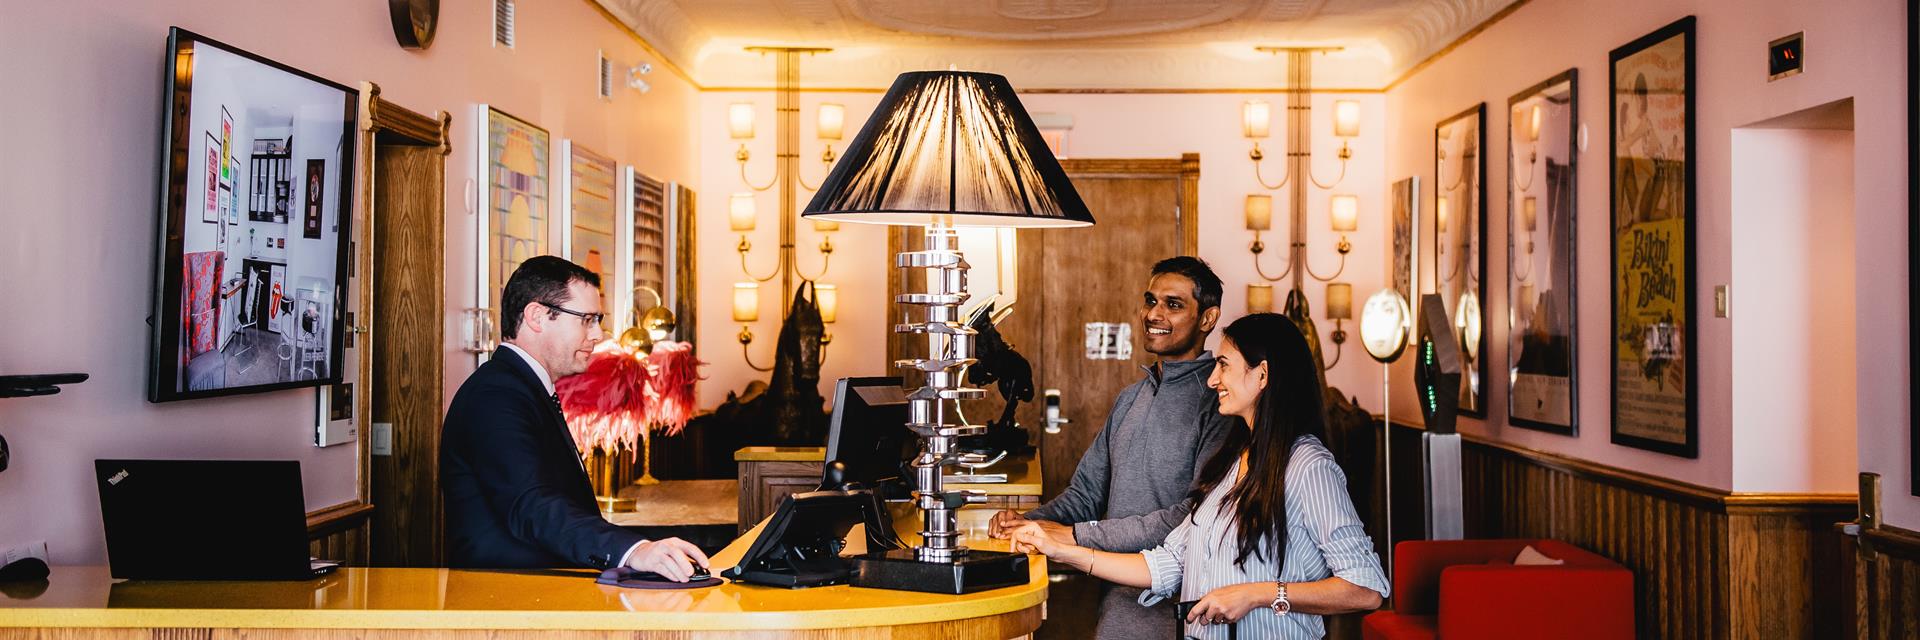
{"points": [[613, 407]]}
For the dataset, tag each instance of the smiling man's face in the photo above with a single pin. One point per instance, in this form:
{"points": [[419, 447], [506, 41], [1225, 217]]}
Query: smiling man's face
{"points": [[1175, 326]]}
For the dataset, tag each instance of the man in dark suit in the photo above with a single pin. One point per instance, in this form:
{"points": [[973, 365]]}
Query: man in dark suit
{"points": [[517, 494]]}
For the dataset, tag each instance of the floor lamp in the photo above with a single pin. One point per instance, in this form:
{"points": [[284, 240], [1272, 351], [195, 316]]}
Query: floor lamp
{"points": [[945, 149], [1385, 322]]}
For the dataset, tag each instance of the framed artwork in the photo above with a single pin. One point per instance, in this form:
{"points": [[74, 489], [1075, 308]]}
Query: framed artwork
{"points": [[1459, 260], [1543, 382], [649, 244], [512, 199], [590, 188], [210, 205], [316, 178], [1650, 120], [1406, 236]]}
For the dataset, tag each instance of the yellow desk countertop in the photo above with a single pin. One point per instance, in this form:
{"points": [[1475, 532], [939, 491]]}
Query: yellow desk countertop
{"points": [[435, 599]]}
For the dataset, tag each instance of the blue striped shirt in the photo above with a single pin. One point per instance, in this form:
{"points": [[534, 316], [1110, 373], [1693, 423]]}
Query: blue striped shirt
{"points": [[1324, 538]]}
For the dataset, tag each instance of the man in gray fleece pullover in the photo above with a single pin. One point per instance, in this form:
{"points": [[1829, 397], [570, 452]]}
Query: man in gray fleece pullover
{"points": [[1130, 488]]}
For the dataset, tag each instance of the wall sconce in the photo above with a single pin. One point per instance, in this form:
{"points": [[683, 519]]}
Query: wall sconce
{"points": [[741, 214], [746, 310], [1259, 297], [1256, 116], [1339, 309], [828, 298], [1343, 214], [1529, 221], [832, 122]]}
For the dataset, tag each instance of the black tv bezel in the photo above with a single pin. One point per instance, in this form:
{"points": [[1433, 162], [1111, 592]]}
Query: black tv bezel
{"points": [[163, 345]]}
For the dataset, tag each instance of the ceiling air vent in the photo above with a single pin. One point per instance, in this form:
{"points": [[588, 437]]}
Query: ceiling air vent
{"points": [[503, 23], [606, 77]]}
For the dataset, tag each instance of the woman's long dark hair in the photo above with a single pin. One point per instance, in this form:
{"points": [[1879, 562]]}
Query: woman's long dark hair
{"points": [[1288, 408]]}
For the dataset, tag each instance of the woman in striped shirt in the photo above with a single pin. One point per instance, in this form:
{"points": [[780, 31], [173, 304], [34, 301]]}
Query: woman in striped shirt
{"points": [[1273, 486]]}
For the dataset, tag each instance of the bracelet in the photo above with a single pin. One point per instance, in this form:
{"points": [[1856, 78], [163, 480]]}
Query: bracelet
{"points": [[1280, 605], [1093, 556]]}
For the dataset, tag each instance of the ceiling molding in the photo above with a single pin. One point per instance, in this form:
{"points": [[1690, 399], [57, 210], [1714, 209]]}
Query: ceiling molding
{"points": [[1208, 49]]}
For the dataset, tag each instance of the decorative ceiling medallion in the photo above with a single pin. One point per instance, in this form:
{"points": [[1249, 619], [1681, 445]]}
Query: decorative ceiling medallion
{"points": [[1049, 9]]}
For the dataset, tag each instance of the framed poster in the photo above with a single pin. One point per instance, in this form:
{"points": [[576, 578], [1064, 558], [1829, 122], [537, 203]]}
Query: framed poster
{"points": [[512, 200], [1459, 261], [210, 205], [1543, 372], [315, 195], [1650, 120], [1406, 236], [590, 187]]}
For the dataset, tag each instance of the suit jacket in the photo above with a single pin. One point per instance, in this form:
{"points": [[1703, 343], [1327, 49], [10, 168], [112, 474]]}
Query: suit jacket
{"points": [[516, 493]]}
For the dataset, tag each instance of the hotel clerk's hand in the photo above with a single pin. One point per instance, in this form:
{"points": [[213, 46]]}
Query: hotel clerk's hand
{"points": [[1002, 524], [672, 558]]}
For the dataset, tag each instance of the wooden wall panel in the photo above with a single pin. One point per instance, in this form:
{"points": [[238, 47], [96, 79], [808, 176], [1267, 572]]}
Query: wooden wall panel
{"points": [[1706, 563], [1885, 584], [339, 533]]}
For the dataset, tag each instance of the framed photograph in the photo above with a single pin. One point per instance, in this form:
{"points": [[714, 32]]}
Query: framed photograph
{"points": [[590, 188], [315, 196], [1459, 233], [1543, 382], [512, 201], [210, 205], [1651, 176], [1406, 236]]}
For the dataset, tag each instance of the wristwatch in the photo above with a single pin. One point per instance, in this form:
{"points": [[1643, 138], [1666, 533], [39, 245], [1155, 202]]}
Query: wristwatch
{"points": [[1280, 605]]}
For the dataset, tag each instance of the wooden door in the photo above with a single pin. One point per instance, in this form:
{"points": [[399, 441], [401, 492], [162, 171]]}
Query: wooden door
{"points": [[1144, 211], [408, 345]]}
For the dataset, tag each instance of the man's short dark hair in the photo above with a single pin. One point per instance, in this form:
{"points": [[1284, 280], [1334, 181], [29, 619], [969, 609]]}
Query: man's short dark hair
{"points": [[1206, 285], [543, 279]]}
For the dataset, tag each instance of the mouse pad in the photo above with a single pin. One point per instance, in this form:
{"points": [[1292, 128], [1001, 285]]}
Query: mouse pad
{"points": [[630, 578]]}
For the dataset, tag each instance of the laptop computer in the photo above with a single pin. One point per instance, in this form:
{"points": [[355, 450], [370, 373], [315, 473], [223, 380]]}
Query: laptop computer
{"points": [[206, 520]]}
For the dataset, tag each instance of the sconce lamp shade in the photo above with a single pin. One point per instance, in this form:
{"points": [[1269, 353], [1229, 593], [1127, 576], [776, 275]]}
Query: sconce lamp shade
{"points": [[953, 147], [1385, 322], [1346, 118], [1530, 213], [1255, 118], [833, 118], [1533, 125], [1339, 301], [828, 298], [1345, 211], [740, 212], [1259, 298], [1259, 212], [746, 301], [825, 226], [1440, 214], [740, 120]]}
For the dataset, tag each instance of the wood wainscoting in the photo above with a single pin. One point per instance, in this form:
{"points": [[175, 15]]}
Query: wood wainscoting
{"points": [[339, 533], [1707, 563], [1885, 584]]}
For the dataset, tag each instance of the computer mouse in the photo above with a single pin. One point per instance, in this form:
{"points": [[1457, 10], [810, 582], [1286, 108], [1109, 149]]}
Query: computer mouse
{"points": [[699, 572]]}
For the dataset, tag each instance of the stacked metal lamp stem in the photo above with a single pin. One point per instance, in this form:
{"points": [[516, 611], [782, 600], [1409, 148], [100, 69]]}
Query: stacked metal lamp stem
{"points": [[933, 410]]}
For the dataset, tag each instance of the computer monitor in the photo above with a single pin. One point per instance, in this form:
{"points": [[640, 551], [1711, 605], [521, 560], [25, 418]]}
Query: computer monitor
{"points": [[868, 434], [800, 544]]}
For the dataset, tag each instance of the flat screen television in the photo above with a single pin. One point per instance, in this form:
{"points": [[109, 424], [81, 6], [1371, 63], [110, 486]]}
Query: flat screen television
{"points": [[254, 224]]}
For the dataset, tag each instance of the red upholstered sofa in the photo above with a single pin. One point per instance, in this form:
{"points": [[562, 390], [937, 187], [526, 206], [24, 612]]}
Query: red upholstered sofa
{"points": [[1453, 589]]}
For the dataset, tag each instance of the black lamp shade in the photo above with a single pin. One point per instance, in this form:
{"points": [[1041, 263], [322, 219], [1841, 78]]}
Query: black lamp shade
{"points": [[949, 143]]}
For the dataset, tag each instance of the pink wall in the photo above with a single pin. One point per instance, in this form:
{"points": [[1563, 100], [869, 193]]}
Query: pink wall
{"points": [[1850, 51], [1105, 126], [79, 174]]}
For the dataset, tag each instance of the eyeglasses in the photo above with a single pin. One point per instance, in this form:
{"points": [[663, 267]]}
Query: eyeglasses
{"points": [[590, 319]]}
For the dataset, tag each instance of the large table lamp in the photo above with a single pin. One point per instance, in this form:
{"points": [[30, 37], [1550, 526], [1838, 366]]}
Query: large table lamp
{"points": [[945, 149]]}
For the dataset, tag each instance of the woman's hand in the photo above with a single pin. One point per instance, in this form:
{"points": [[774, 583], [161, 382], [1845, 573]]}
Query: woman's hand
{"points": [[1030, 537], [1230, 603]]}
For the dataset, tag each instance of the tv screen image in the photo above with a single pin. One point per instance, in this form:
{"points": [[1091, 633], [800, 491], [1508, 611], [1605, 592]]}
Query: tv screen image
{"points": [[254, 224]]}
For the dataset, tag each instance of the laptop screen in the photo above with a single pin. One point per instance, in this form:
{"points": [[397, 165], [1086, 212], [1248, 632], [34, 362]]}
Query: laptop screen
{"points": [[204, 519]]}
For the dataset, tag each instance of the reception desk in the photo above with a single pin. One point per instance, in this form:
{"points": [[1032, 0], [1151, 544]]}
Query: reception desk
{"points": [[84, 601]]}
